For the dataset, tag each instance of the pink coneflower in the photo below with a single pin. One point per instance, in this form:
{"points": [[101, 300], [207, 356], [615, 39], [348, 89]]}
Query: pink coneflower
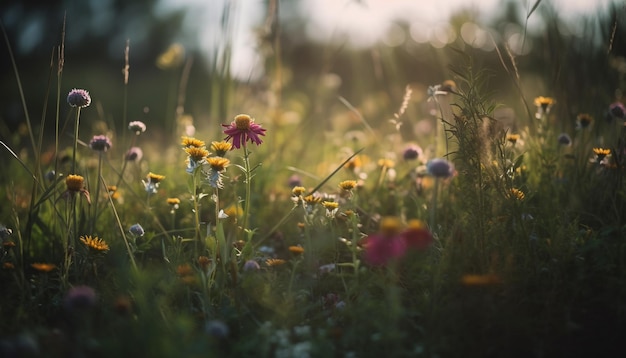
{"points": [[243, 129], [387, 245]]}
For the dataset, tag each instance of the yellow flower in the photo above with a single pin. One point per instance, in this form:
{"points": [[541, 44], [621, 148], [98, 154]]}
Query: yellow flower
{"points": [[275, 262], [601, 153], [330, 205], [347, 185], [513, 138], [221, 148], [312, 200], [298, 190], [518, 194], [583, 120], [173, 201], [184, 270], [196, 153], [74, 183], [480, 280], [192, 142], [172, 57], [390, 225], [386, 163], [8, 266], [43, 267], [544, 102], [296, 250], [155, 178], [233, 211], [218, 163], [95, 243]]}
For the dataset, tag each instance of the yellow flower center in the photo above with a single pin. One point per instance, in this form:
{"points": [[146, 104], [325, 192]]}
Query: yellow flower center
{"points": [[389, 225], [243, 121], [74, 182], [218, 163]]}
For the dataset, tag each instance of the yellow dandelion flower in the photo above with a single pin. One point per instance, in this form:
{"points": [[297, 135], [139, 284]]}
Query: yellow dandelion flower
{"points": [[74, 183], [192, 142], [298, 190], [517, 194], [513, 138], [354, 163], [221, 148], [218, 163], [95, 243], [197, 153], [544, 102], [330, 205], [275, 262], [43, 267], [601, 152], [297, 250], [386, 163], [312, 200], [155, 178], [348, 185], [173, 201]]}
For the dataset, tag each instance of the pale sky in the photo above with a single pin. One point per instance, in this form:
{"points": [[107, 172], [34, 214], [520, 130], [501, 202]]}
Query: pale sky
{"points": [[360, 22]]}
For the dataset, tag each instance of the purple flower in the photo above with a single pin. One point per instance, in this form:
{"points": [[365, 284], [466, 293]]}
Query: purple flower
{"points": [[251, 265], [136, 230], [617, 110], [134, 154], [137, 127], [80, 297], [100, 143], [412, 152], [78, 98], [564, 139], [440, 168], [243, 129]]}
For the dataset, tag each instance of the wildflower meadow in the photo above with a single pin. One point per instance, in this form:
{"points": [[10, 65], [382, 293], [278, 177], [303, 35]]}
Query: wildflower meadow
{"points": [[360, 209]]}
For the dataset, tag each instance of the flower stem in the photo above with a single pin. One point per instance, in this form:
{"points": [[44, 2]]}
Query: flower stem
{"points": [[76, 123], [95, 200], [246, 211]]}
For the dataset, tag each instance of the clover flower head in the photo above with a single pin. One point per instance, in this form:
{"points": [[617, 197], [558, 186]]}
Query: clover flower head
{"points": [[100, 143], [134, 154], [440, 168], [243, 129], [78, 98], [137, 127]]}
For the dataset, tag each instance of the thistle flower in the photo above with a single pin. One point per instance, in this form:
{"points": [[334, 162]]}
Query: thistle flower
{"points": [[583, 120], [95, 243], [243, 129], [294, 181], [78, 98], [221, 148], [440, 168], [100, 143], [251, 265], [75, 184], [134, 154], [137, 127], [152, 184]]}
